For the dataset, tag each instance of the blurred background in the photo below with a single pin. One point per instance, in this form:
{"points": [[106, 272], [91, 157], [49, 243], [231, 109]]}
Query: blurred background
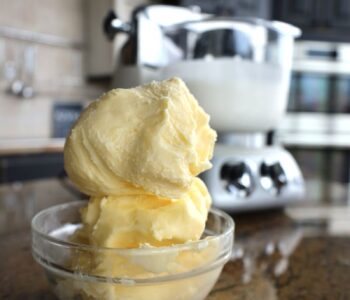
{"points": [[55, 59]]}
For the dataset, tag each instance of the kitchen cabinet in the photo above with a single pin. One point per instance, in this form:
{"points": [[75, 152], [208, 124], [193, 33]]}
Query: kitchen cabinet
{"points": [[319, 19], [298, 12], [338, 13], [251, 8], [24, 167]]}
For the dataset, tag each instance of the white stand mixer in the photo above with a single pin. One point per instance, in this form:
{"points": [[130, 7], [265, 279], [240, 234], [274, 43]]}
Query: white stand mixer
{"points": [[245, 100], [239, 70]]}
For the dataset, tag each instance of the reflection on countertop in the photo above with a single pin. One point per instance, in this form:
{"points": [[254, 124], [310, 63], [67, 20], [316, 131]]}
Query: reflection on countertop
{"points": [[279, 257], [297, 253], [19, 202]]}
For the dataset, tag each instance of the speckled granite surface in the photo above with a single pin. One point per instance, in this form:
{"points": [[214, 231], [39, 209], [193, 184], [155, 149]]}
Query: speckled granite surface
{"points": [[286, 260], [275, 256]]}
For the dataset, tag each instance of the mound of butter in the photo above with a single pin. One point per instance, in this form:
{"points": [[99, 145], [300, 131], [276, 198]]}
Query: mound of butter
{"points": [[150, 139], [134, 221]]}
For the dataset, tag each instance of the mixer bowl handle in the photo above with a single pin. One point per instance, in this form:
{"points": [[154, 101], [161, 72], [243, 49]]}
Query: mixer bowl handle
{"points": [[113, 25], [243, 24]]}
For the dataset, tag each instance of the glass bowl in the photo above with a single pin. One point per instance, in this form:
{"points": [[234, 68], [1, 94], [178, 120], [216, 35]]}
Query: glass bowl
{"points": [[79, 271]]}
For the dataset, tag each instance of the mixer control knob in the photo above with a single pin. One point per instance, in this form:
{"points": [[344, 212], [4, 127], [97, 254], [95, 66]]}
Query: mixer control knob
{"points": [[238, 178], [274, 174]]}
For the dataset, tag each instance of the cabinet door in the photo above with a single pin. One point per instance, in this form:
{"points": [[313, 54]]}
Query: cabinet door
{"points": [[219, 7], [338, 13], [298, 12], [251, 8], [254, 8]]}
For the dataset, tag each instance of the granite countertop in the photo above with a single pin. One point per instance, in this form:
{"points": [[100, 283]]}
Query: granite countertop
{"points": [[298, 253]]}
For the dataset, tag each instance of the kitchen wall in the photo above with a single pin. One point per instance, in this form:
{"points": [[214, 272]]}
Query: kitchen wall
{"points": [[48, 37]]}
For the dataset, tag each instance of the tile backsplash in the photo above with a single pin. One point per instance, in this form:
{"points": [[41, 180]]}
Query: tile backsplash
{"points": [[54, 30], [57, 17]]}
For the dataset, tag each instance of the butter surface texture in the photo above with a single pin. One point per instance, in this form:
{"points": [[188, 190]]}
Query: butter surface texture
{"points": [[134, 221], [150, 139]]}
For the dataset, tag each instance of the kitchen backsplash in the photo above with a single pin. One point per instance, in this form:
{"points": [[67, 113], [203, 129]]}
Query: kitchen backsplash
{"points": [[53, 31]]}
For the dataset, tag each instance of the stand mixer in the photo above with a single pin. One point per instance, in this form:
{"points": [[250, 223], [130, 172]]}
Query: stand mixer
{"points": [[239, 71]]}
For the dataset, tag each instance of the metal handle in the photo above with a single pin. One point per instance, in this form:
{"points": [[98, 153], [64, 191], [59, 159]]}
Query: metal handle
{"points": [[243, 24], [113, 25]]}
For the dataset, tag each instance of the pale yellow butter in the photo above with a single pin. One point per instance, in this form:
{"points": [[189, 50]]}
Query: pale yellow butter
{"points": [[133, 221], [151, 139]]}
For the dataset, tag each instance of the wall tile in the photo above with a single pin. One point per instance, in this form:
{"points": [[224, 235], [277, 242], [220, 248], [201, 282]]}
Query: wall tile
{"points": [[25, 118], [59, 71], [63, 18]]}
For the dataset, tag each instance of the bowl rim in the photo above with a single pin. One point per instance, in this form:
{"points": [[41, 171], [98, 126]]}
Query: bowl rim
{"points": [[143, 250], [130, 281], [222, 258]]}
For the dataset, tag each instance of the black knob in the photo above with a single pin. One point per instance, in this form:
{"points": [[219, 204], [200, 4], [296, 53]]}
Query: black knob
{"points": [[237, 177], [276, 173]]}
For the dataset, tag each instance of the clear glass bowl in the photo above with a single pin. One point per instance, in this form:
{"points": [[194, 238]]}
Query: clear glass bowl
{"points": [[79, 271]]}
